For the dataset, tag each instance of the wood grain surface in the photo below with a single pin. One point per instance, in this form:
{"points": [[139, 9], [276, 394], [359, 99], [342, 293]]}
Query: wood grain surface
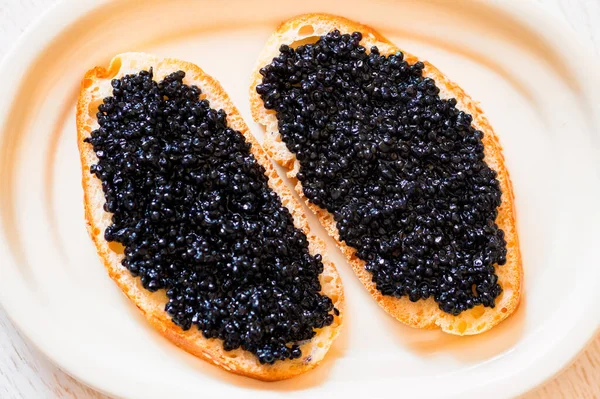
{"points": [[25, 373]]}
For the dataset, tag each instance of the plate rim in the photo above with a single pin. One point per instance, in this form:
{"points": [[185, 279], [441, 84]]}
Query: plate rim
{"points": [[64, 12]]}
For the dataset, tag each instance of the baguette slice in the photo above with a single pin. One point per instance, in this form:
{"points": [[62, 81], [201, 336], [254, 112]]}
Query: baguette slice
{"points": [[96, 85], [423, 313]]}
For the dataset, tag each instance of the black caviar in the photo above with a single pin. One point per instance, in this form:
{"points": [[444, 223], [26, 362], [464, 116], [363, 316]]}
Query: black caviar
{"points": [[194, 212], [401, 170]]}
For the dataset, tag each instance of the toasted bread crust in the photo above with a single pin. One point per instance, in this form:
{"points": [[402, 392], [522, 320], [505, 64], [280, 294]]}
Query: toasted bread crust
{"points": [[423, 313], [95, 86]]}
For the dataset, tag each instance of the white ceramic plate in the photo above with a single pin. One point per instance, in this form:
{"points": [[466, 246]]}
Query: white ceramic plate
{"points": [[536, 83]]}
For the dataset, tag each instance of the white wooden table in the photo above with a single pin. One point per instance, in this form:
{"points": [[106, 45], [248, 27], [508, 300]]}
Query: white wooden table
{"points": [[25, 373]]}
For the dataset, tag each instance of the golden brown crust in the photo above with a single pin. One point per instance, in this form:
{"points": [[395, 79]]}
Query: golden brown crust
{"points": [[95, 86], [423, 313]]}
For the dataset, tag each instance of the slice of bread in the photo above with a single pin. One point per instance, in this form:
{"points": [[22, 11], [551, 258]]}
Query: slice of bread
{"points": [[423, 313], [95, 87]]}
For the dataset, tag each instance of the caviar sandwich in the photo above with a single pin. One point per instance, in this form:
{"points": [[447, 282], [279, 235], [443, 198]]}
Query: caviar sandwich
{"points": [[400, 166], [194, 225]]}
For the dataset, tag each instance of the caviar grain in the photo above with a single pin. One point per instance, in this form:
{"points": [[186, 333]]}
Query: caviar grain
{"points": [[401, 170], [193, 210]]}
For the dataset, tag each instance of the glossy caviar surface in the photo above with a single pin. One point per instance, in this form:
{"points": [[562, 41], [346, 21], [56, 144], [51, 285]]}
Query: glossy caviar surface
{"points": [[194, 212], [401, 170]]}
